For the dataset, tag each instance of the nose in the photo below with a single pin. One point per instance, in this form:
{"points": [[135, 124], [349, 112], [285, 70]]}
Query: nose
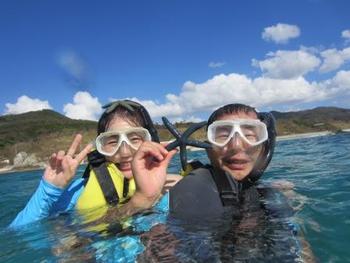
{"points": [[124, 150], [236, 142]]}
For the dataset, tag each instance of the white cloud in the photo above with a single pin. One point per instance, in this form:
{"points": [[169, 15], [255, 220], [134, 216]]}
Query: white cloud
{"points": [[282, 83], [280, 33], [339, 84], [345, 34], [287, 64], [25, 104], [234, 88], [216, 64], [238, 88], [84, 107], [334, 58], [186, 119]]}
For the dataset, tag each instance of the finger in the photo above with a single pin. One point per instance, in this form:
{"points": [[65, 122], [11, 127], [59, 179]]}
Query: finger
{"points": [[158, 146], [166, 143], [69, 171], [81, 156], [169, 157], [149, 150], [52, 161], [60, 155], [59, 158], [75, 144]]}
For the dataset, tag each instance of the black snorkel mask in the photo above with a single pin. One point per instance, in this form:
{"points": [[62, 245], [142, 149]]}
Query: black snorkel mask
{"points": [[132, 106]]}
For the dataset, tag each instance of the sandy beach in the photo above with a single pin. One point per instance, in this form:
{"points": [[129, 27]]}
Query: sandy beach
{"points": [[303, 135]]}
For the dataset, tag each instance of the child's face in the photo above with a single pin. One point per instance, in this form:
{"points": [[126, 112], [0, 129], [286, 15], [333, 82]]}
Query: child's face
{"points": [[124, 155]]}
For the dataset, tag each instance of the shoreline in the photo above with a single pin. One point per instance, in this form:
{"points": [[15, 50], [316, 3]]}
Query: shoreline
{"points": [[303, 135], [10, 169]]}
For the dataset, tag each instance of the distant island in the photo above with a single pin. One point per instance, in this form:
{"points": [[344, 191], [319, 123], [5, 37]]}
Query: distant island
{"points": [[28, 139]]}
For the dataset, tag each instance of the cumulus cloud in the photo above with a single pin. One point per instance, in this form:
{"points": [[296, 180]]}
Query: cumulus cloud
{"points": [[346, 34], [333, 59], [84, 107], [280, 33], [339, 84], [216, 64], [287, 64], [259, 92], [25, 104], [283, 82]]}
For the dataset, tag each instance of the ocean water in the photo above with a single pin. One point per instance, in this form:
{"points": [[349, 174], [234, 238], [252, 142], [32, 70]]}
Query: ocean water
{"points": [[318, 167]]}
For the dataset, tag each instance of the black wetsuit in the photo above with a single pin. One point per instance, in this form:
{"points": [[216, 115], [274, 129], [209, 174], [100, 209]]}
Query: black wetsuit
{"points": [[249, 223]]}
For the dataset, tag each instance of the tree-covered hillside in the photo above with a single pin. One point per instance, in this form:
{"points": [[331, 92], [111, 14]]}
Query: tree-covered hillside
{"points": [[44, 132]]}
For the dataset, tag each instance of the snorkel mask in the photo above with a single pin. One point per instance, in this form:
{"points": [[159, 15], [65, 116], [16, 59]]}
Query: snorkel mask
{"points": [[132, 106], [252, 132], [108, 143]]}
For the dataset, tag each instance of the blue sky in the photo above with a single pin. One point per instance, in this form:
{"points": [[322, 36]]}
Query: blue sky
{"points": [[181, 59]]}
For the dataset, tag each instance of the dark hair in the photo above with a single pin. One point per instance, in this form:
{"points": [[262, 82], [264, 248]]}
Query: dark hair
{"points": [[229, 109], [129, 110], [134, 117]]}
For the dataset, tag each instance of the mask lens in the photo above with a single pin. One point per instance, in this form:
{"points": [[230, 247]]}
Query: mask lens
{"points": [[251, 133], [136, 138], [222, 133], [254, 133], [109, 143]]}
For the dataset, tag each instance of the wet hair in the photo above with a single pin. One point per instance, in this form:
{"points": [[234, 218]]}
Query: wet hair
{"points": [[133, 117], [230, 109]]}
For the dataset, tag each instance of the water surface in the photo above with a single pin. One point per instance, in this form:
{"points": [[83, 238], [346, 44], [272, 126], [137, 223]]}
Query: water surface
{"points": [[318, 167]]}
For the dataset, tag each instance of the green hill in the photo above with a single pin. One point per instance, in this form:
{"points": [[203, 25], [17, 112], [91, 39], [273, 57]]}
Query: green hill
{"points": [[318, 119], [40, 132], [44, 132]]}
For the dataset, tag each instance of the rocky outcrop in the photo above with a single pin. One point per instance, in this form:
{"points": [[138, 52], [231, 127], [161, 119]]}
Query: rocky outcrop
{"points": [[23, 159]]}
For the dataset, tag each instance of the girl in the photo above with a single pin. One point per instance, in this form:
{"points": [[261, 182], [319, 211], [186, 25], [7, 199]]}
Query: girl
{"points": [[122, 129]]}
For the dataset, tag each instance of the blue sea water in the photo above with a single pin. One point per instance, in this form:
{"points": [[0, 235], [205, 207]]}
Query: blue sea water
{"points": [[318, 167]]}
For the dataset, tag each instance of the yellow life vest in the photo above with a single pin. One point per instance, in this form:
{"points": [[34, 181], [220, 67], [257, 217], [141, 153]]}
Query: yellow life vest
{"points": [[92, 204], [192, 165], [93, 196]]}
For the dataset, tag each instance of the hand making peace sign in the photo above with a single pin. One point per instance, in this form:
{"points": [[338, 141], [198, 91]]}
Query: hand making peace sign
{"points": [[62, 167]]}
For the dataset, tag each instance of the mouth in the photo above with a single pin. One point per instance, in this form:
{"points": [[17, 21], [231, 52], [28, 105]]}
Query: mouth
{"points": [[124, 166], [236, 163]]}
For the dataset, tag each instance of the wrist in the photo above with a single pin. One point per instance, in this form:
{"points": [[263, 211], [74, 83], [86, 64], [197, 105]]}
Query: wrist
{"points": [[142, 201]]}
